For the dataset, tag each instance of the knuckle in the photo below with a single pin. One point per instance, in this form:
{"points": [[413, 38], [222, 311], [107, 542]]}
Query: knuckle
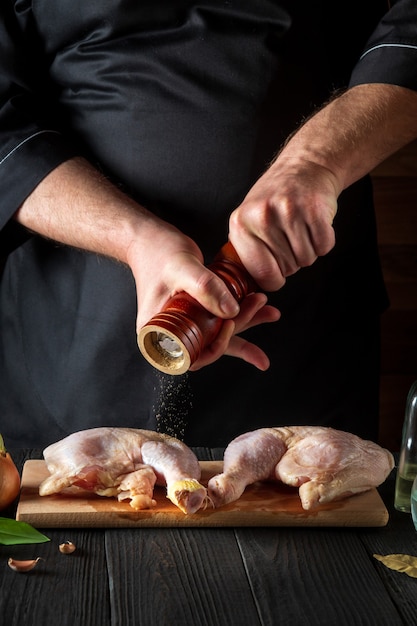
{"points": [[208, 282]]}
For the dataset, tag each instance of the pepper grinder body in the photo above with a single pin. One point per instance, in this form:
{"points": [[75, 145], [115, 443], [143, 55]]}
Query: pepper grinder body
{"points": [[174, 338], [407, 465]]}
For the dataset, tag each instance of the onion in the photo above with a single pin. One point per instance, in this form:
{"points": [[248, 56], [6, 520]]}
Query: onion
{"points": [[9, 478]]}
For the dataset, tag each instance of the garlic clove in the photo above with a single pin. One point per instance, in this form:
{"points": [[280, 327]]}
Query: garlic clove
{"points": [[67, 547], [23, 566]]}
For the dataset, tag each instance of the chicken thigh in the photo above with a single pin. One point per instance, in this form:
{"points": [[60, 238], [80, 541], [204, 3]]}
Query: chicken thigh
{"points": [[325, 464], [127, 463]]}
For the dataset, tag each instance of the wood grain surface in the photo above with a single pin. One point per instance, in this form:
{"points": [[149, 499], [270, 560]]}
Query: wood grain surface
{"points": [[262, 504]]}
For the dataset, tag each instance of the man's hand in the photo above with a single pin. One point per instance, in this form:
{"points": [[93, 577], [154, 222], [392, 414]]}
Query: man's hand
{"points": [[253, 311], [285, 221], [182, 270]]}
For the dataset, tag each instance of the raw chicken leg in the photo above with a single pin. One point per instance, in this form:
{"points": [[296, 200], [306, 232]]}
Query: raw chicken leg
{"points": [[325, 464], [127, 463]]}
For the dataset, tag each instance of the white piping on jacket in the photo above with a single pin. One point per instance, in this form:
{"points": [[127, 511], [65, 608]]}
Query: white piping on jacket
{"points": [[388, 45], [41, 132]]}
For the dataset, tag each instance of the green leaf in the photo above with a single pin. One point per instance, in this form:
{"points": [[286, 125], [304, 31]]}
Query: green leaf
{"points": [[13, 532]]}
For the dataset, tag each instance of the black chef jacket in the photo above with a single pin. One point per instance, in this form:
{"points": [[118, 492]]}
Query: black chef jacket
{"points": [[182, 104]]}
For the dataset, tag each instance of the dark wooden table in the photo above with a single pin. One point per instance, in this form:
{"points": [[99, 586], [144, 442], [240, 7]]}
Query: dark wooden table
{"points": [[213, 576]]}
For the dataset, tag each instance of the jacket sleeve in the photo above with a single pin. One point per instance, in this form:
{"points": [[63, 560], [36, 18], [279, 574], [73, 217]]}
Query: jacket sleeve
{"points": [[31, 142], [390, 55]]}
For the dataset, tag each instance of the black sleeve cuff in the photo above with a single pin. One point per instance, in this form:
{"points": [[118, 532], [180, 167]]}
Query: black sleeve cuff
{"points": [[23, 168]]}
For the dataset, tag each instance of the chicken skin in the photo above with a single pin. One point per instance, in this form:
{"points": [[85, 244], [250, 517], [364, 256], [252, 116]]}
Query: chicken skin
{"points": [[325, 464], [126, 463]]}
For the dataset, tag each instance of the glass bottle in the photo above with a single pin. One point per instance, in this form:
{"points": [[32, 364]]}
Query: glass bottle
{"points": [[414, 502], [407, 465]]}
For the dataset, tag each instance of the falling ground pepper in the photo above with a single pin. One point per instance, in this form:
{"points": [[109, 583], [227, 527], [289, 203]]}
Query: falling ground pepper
{"points": [[173, 405]]}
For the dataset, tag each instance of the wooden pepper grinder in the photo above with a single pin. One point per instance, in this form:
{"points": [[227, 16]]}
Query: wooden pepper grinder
{"points": [[174, 338]]}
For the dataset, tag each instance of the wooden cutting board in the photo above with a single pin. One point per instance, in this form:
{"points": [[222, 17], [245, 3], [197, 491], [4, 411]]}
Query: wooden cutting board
{"points": [[262, 504]]}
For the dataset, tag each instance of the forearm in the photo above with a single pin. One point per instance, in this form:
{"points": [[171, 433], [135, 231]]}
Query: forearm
{"points": [[75, 205], [285, 221], [356, 131]]}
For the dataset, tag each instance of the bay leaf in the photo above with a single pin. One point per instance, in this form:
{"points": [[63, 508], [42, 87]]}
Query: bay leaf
{"points": [[405, 563], [13, 532]]}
